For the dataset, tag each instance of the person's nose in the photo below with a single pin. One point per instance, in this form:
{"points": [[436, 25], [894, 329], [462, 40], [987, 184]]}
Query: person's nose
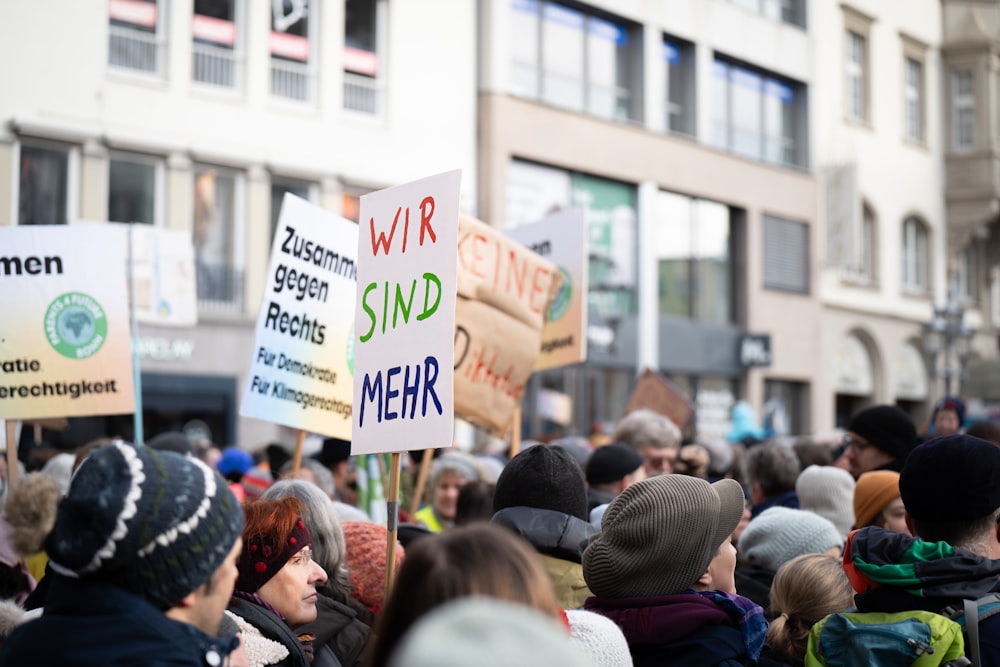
{"points": [[317, 575]]}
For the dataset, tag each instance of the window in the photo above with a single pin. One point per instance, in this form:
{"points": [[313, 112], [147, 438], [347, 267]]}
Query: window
{"points": [[788, 11], [757, 115], [679, 57], [279, 186], [217, 235], [856, 69], [786, 255], [575, 59], [43, 188], [363, 21], [290, 44], [217, 52], [137, 35], [915, 256], [963, 110], [785, 408], [968, 276], [694, 259], [866, 252], [913, 99], [134, 184]]}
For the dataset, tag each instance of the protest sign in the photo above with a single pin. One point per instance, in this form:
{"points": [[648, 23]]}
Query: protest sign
{"points": [[302, 360], [164, 278], [65, 347], [561, 239], [504, 291], [405, 316], [654, 392]]}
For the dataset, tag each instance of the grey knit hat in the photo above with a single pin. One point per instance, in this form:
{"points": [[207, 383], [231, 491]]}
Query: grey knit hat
{"points": [[829, 492], [779, 534], [659, 535], [155, 523]]}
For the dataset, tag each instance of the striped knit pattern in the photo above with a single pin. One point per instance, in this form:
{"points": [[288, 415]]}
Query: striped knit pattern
{"points": [[153, 522], [659, 535]]}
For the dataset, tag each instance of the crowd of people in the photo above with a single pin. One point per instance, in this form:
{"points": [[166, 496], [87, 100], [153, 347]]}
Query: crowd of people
{"points": [[644, 550]]}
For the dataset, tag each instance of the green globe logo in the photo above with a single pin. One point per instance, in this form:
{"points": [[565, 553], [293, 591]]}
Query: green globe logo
{"points": [[75, 325], [563, 297]]}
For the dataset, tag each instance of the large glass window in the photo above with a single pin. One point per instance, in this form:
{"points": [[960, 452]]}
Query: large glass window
{"points": [[913, 99], [856, 73], [758, 115], [694, 258], [132, 190], [43, 186], [963, 110], [786, 255], [679, 58], [915, 255], [291, 47], [362, 67], [217, 57], [216, 236], [574, 59], [136, 35]]}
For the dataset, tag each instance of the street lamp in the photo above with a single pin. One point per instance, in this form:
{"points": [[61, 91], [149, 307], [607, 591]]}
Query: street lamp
{"points": [[948, 341]]}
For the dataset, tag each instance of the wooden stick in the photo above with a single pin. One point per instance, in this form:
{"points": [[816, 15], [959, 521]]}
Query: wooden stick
{"points": [[418, 492], [11, 434], [381, 471], [297, 457], [392, 526], [515, 434]]}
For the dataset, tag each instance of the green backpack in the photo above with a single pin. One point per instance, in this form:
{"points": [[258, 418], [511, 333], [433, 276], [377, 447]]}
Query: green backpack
{"points": [[855, 639]]}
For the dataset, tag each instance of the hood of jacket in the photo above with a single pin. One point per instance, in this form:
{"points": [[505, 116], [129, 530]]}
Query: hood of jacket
{"points": [[550, 532]]}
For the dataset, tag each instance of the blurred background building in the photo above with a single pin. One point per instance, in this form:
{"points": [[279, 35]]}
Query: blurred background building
{"points": [[778, 192]]}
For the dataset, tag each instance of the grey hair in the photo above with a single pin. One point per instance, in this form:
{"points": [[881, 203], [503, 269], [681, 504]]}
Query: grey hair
{"points": [[455, 461], [320, 517], [645, 427], [324, 478]]}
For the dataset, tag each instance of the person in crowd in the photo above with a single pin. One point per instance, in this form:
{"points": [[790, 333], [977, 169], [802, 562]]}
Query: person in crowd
{"points": [[335, 454], [232, 465], [599, 637], [207, 452], [577, 447], [662, 568], [877, 502], [448, 474], [694, 460], [653, 436], [770, 470], [172, 441], [143, 551], [313, 472], [805, 589], [609, 471], [986, 430], [878, 438], [542, 497], [829, 492], [776, 537], [475, 560], [720, 454], [951, 491], [948, 416], [28, 517], [342, 623], [812, 453], [276, 588], [488, 632], [366, 562], [745, 429], [475, 502]]}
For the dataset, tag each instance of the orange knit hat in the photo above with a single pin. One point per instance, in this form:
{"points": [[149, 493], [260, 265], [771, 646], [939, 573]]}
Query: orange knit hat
{"points": [[873, 492], [365, 560]]}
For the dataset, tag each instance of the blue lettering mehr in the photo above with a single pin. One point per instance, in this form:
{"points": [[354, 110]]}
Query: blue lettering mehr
{"points": [[368, 390], [429, 381], [390, 393], [411, 390]]}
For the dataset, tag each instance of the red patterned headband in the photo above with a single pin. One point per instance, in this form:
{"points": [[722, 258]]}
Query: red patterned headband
{"points": [[262, 557]]}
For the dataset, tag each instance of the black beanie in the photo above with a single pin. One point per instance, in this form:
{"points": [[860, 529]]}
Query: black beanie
{"points": [[545, 477], [886, 427], [612, 462]]}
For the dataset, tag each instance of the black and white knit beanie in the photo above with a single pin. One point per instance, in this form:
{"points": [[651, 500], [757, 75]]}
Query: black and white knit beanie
{"points": [[152, 522]]}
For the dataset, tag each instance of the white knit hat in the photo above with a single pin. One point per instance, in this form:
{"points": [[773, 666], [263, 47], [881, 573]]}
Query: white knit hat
{"points": [[779, 534], [829, 492], [599, 637]]}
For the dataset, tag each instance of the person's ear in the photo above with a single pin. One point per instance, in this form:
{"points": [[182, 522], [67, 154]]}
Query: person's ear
{"points": [[706, 580], [909, 523]]}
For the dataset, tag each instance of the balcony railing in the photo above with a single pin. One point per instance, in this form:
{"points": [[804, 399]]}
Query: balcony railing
{"points": [[220, 288], [133, 49], [362, 93], [290, 79], [217, 66]]}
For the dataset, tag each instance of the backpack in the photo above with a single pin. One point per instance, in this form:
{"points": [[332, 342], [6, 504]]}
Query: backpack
{"points": [[918, 638]]}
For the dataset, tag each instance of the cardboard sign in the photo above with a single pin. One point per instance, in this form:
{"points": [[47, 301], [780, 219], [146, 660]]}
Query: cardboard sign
{"points": [[163, 270], [504, 292], [654, 392], [300, 371], [65, 339], [405, 316], [561, 238]]}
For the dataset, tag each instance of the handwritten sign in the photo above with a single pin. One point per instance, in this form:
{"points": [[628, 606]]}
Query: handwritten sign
{"points": [[561, 238], [655, 392], [65, 339], [302, 360], [504, 294], [405, 316]]}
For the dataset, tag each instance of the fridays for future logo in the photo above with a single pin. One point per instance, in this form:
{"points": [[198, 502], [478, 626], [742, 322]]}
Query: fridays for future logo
{"points": [[75, 325]]}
